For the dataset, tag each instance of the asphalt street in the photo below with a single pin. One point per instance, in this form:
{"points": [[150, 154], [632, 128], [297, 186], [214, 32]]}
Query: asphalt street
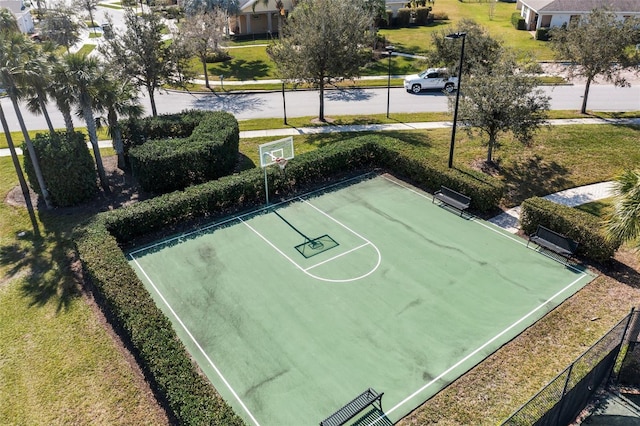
{"points": [[341, 102]]}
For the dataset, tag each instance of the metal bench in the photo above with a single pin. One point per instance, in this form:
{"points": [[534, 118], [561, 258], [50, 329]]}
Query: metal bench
{"points": [[452, 198], [355, 406], [553, 241]]}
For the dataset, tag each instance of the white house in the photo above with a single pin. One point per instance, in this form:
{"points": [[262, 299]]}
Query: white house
{"points": [[554, 13], [21, 13]]}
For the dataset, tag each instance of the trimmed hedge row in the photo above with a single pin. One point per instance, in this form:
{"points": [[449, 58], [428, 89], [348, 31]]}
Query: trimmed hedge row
{"points": [[209, 152], [174, 377], [518, 21], [580, 226], [189, 397], [67, 168], [137, 131]]}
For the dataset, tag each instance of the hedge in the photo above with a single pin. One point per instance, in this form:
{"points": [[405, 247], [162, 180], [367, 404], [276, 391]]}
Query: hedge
{"points": [[174, 377], [136, 131], [210, 151], [67, 168], [542, 34], [580, 226], [518, 21], [403, 17]]}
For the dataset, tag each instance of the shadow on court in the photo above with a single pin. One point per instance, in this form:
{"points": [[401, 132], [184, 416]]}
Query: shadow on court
{"points": [[374, 416]]}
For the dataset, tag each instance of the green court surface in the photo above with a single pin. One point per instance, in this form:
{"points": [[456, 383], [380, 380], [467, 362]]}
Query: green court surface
{"points": [[410, 296]]}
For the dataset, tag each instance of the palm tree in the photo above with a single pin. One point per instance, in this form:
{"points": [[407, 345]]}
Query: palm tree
{"points": [[16, 53], [118, 97], [624, 222], [23, 182], [38, 84], [8, 23], [83, 74], [62, 92]]}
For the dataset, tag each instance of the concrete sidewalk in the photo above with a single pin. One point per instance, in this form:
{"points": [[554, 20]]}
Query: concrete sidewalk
{"points": [[354, 128], [508, 220]]}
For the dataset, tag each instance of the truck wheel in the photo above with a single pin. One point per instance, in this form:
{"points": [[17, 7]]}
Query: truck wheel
{"points": [[448, 87], [416, 88]]}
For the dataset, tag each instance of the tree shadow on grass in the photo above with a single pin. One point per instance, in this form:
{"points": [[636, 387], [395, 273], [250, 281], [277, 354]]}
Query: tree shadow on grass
{"points": [[46, 269], [240, 69], [532, 177]]}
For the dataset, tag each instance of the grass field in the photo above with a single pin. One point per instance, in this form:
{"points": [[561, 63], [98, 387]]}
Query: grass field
{"points": [[58, 363], [252, 62]]}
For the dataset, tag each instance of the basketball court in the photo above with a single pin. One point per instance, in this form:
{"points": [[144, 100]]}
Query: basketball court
{"points": [[293, 310]]}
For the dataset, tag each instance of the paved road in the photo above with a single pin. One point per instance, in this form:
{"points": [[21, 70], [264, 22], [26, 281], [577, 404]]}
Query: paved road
{"points": [[344, 102]]}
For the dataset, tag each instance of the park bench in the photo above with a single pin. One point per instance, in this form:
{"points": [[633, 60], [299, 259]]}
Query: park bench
{"points": [[553, 241], [452, 198], [355, 406]]}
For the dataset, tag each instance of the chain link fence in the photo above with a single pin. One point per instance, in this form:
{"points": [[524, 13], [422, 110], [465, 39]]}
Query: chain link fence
{"points": [[565, 396]]}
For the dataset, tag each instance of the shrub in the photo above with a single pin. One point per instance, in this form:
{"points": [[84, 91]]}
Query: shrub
{"points": [[518, 21], [542, 34], [137, 131], [403, 17], [211, 151], [422, 15], [67, 168], [440, 16], [580, 226]]}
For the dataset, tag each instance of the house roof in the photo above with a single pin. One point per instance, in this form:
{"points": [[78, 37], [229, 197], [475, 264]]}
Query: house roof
{"points": [[619, 6]]}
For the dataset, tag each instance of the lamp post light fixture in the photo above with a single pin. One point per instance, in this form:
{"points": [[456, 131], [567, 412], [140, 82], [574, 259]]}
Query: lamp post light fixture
{"points": [[390, 50], [455, 111]]}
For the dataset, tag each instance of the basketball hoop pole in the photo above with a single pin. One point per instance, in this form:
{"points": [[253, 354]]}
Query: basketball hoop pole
{"points": [[266, 185]]}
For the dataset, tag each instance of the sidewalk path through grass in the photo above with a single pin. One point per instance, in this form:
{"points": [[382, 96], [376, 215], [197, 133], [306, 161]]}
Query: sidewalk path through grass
{"points": [[507, 220]]}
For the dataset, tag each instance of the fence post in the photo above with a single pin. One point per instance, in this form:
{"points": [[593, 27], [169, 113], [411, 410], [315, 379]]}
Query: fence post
{"points": [[564, 391], [622, 339]]}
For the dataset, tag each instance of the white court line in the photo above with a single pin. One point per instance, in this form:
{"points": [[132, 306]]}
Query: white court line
{"points": [[306, 271], [337, 256], [457, 364], [252, 212], [481, 222], [193, 339]]}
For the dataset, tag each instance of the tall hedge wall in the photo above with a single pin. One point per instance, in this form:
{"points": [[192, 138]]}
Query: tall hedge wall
{"points": [[580, 226], [210, 151], [67, 168], [191, 399]]}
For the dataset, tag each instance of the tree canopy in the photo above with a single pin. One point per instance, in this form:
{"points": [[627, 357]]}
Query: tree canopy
{"points": [[502, 100], [142, 53], [594, 44], [323, 42]]}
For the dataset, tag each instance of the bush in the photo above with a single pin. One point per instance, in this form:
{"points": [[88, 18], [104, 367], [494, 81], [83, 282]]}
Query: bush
{"points": [[518, 21], [440, 16], [67, 168], [211, 151], [403, 17], [189, 397], [580, 226], [137, 131], [422, 15], [542, 34]]}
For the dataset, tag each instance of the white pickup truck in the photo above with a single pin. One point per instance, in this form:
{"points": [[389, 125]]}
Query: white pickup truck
{"points": [[433, 78]]}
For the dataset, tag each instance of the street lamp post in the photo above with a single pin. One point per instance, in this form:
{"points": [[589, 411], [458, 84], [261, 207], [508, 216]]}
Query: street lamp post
{"points": [[389, 50], [455, 111]]}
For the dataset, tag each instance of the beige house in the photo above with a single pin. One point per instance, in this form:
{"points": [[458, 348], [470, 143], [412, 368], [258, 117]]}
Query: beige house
{"points": [[554, 13], [257, 18]]}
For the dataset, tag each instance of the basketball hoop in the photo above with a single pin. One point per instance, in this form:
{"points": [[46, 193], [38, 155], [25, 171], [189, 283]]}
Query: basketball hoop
{"points": [[281, 162]]}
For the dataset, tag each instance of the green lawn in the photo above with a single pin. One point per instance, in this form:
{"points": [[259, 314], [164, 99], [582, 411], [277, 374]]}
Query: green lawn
{"points": [[58, 363], [252, 62]]}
